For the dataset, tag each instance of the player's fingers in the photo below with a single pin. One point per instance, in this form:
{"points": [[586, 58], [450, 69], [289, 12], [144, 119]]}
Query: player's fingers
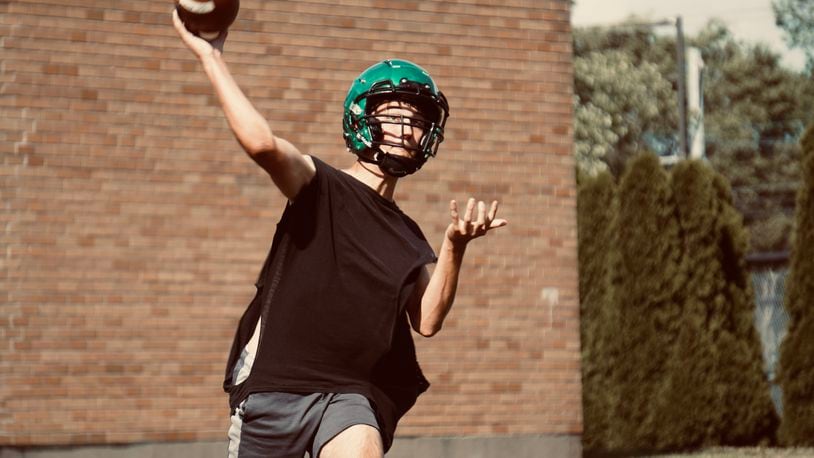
{"points": [[176, 21], [497, 223], [453, 211], [492, 211], [186, 35], [470, 207], [481, 221]]}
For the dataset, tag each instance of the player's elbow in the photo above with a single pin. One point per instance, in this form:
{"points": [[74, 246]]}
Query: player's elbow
{"points": [[262, 148], [267, 154], [429, 330]]}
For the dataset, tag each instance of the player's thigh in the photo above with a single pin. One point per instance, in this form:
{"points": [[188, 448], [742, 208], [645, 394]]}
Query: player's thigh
{"points": [[275, 424], [357, 441], [350, 427]]}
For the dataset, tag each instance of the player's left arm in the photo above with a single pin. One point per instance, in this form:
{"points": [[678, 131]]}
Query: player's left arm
{"points": [[434, 294]]}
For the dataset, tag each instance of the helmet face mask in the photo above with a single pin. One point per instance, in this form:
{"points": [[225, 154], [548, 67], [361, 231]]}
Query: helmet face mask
{"points": [[426, 146], [394, 80]]}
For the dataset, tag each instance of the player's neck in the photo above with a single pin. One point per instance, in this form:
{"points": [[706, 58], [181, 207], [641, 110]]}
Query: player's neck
{"points": [[372, 176]]}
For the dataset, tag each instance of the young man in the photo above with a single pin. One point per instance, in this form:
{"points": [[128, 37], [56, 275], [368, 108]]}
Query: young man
{"points": [[323, 360]]}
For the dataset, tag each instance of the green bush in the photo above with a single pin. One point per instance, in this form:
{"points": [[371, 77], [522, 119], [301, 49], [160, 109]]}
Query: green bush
{"points": [[714, 392], [671, 357], [748, 416], [595, 214], [647, 293], [796, 373], [688, 397]]}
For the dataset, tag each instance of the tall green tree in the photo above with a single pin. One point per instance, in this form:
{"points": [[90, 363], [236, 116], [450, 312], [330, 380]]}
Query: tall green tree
{"points": [[648, 296], [796, 374], [748, 416], [599, 317], [621, 93], [755, 111], [689, 397], [796, 18], [713, 390], [617, 102]]}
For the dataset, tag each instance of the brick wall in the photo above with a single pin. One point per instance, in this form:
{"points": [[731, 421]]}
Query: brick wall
{"points": [[134, 225]]}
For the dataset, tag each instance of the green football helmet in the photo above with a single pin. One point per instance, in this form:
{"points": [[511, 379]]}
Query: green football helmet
{"points": [[388, 80]]}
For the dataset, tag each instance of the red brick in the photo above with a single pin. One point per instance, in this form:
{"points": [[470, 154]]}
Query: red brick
{"points": [[137, 225]]}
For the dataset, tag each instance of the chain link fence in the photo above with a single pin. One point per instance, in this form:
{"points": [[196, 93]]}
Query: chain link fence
{"points": [[769, 271]]}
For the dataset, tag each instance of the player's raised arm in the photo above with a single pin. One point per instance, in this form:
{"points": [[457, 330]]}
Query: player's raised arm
{"points": [[289, 169]]}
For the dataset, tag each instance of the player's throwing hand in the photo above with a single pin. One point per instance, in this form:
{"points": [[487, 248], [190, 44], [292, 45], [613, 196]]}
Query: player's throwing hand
{"points": [[198, 45]]}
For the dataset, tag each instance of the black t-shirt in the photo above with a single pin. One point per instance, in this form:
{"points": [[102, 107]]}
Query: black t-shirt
{"points": [[332, 294]]}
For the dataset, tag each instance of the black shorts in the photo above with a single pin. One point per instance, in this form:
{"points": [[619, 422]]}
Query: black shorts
{"points": [[286, 425]]}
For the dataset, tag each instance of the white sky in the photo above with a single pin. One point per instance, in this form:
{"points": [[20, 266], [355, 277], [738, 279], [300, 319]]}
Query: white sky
{"points": [[749, 20]]}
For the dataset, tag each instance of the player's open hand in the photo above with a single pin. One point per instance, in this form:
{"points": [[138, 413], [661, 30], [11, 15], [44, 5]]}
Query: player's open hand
{"points": [[462, 230], [197, 44]]}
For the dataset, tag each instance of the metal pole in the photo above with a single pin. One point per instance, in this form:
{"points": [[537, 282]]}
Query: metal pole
{"points": [[682, 90]]}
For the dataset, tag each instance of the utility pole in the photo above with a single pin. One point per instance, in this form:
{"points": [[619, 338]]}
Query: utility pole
{"points": [[682, 88], [681, 80], [695, 103]]}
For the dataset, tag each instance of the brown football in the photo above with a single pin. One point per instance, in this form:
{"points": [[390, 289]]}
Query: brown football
{"points": [[207, 18]]}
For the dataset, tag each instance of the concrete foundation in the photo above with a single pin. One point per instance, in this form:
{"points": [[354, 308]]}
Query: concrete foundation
{"points": [[403, 447]]}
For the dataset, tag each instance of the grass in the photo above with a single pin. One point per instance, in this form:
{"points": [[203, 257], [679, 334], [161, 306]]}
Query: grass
{"points": [[728, 452]]}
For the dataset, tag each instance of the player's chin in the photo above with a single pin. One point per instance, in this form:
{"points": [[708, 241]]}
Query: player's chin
{"points": [[402, 152]]}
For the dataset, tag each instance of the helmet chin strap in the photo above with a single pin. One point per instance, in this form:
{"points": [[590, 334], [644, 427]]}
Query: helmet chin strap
{"points": [[393, 165]]}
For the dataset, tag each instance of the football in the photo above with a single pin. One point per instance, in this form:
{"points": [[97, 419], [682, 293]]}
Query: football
{"points": [[207, 18]]}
